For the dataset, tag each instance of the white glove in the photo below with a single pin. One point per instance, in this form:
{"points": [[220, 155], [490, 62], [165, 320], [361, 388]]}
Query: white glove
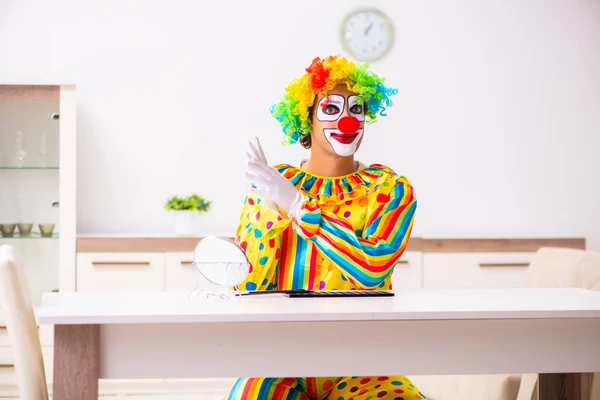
{"points": [[254, 151], [271, 187]]}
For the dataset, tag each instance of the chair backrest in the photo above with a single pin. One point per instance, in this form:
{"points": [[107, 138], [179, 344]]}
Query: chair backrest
{"points": [[565, 268], [558, 267], [22, 327]]}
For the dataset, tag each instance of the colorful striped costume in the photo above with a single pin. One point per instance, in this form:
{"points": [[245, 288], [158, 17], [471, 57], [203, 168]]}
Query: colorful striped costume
{"points": [[352, 231]]}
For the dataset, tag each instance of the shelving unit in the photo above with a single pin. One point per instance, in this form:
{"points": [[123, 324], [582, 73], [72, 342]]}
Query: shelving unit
{"points": [[39, 190]]}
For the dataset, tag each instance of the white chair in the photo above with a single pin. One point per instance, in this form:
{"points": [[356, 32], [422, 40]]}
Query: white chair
{"points": [[550, 268], [562, 268], [21, 326]]}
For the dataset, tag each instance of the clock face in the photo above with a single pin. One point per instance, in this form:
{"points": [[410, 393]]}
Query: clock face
{"points": [[367, 34]]}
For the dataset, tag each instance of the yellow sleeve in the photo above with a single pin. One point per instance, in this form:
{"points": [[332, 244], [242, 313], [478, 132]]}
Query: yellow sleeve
{"points": [[366, 259], [259, 235]]}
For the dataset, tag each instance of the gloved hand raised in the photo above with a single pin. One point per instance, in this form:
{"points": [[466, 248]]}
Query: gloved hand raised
{"points": [[270, 185]]}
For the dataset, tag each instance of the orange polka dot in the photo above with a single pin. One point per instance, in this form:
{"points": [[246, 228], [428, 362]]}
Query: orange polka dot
{"points": [[327, 385], [363, 201], [363, 391]]}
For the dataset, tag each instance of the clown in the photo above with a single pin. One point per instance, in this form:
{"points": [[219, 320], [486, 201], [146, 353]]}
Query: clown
{"points": [[330, 223]]}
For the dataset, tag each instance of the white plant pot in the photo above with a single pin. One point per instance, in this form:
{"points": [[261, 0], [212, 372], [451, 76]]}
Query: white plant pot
{"points": [[187, 223]]}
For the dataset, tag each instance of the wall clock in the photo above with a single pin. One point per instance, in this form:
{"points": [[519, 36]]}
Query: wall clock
{"points": [[367, 34]]}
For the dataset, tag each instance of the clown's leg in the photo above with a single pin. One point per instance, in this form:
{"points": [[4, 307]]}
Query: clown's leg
{"points": [[375, 388], [267, 388]]}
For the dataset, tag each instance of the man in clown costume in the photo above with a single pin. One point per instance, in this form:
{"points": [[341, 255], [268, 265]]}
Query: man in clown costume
{"points": [[330, 223]]}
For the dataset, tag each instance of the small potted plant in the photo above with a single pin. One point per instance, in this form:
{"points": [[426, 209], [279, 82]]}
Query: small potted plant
{"points": [[187, 211]]}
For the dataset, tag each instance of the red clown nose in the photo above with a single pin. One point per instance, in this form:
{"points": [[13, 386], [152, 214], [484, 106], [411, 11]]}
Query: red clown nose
{"points": [[349, 125]]}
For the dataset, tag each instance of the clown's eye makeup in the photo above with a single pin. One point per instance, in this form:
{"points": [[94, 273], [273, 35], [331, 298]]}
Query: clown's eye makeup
{"points": [[330, 108], [356, 110]]}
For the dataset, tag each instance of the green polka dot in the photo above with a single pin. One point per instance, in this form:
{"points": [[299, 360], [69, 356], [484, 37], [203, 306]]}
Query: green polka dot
{"points": [[362, 216], [386, 183]]}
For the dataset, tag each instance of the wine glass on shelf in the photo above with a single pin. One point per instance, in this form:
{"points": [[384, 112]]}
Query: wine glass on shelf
{"points": [[1, 151], [20, 152], [43, 150]]}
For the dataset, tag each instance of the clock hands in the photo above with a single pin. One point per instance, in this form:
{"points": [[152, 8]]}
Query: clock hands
{"points": [[368, 29]]}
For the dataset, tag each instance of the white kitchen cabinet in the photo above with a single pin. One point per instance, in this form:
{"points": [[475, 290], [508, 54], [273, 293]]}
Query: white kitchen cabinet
{"points": [[408, 273], [475, 270], [120, 272], [179, 273]]}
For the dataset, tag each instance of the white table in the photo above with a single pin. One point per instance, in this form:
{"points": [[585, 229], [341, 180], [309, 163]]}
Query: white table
{"points": [[168, 335]]}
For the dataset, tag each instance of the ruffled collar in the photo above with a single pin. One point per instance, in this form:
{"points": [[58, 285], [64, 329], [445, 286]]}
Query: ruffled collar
{"points": [[335, 190]]}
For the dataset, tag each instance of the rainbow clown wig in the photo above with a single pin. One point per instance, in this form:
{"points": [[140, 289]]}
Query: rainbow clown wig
{"points": [[293, 110]]}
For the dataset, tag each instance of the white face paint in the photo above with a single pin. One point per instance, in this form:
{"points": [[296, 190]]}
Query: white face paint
{"points": [[333, 110], [356, 110], [341, 146], [329, 110]]}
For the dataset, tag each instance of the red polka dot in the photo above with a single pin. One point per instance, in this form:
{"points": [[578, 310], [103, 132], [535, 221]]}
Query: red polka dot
{"points": [[349, 202], [271, 243], [251, 201], [341, 197], [258, 215], [364, 381], [383, 198], [244, 245], [277, 254], [383, 378], [250, 269], [327, 385], [399, 391]]}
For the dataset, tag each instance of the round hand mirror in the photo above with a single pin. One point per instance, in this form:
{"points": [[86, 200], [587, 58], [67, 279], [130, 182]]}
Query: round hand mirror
{"points": [[221, 261]]}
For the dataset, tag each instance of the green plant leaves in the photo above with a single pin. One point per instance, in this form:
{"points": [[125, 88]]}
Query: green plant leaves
{"points": [[191, 203]]}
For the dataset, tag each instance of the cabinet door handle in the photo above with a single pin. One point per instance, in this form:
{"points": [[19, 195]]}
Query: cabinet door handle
{"points": [[186, 263], [120, 262], [402, 262], [516, 264]]}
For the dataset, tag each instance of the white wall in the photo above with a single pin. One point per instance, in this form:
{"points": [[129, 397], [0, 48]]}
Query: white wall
{"points": [[497, 122]]}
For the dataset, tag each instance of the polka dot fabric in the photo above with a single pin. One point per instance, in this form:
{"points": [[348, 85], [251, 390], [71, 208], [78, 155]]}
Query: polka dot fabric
{"points": [[351, 232], [350, 388]]}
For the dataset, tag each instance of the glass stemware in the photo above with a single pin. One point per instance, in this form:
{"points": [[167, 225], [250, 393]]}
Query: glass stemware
{"points": [[43, 150], [20, 152]]}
